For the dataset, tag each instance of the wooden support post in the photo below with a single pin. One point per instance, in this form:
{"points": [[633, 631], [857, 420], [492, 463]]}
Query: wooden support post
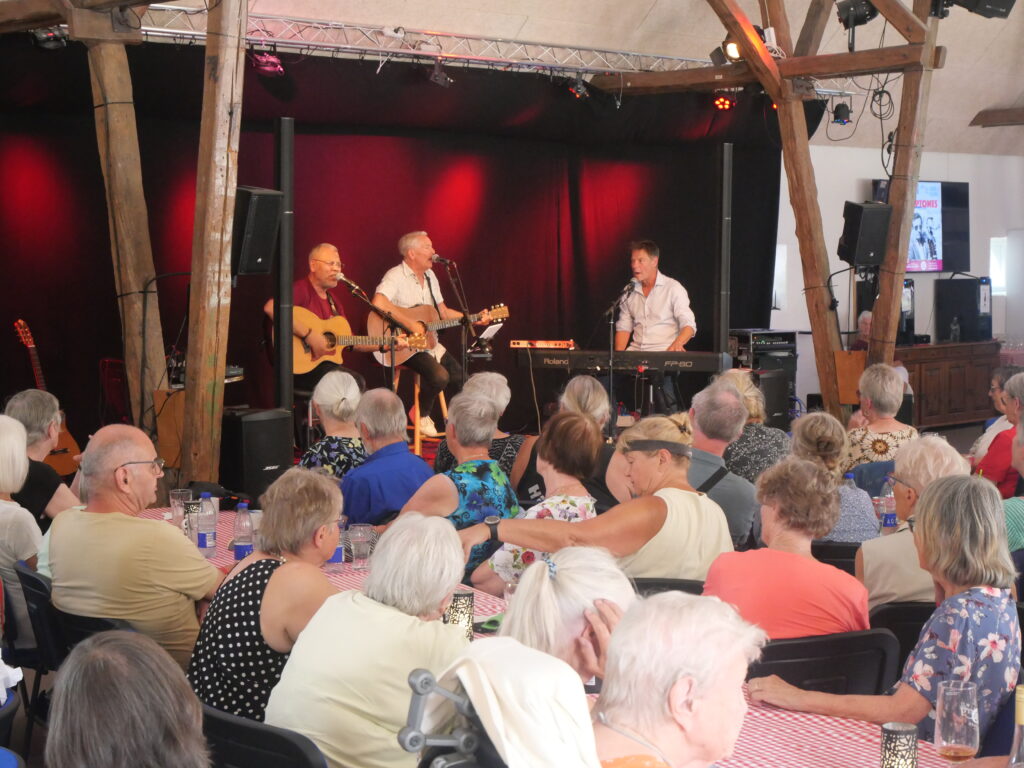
{"points": [[813, 30], [902, 195], [211, 238], [118, 140]]}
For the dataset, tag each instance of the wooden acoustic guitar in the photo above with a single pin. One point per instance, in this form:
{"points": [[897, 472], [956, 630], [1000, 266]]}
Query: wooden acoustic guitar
{"points": [[427, 315], [60, 457], [338, 333]]}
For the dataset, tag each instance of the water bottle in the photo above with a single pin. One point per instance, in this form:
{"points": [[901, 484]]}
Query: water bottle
{"points": [[849, 482], [889, 498], [206, 538], [336, 563], [1017, 752], [242, 532]]}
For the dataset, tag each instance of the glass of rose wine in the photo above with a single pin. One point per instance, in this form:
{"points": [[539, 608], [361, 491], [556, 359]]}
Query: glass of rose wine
{"points": [[956, 721]]}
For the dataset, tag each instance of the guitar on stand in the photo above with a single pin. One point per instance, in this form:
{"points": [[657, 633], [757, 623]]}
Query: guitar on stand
{"points": [[427, 315], [338, 333], [60, 457]]}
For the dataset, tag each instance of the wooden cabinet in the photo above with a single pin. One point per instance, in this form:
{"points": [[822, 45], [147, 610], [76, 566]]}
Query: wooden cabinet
{"points": [[950, 381]]}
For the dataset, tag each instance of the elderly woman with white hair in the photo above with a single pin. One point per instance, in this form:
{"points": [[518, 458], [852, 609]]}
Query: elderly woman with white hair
{"points": [[758, 446], [345, 683], [888, 565], [973, 635], [240, 652], [673, 686], [997, 465], [879, 438], [504, 447], [476, 489], [341, 448]]}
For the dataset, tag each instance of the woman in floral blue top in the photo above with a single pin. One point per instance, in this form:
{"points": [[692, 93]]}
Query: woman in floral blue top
{"points": [[476, 487], [335, 399], [960, 535]]}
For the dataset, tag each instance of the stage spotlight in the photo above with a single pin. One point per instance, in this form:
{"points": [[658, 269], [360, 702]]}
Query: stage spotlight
{"points": [[724, 102], [854, 13], [841, 113], [578, 88], [50, 39], [731, 48], [267, 64], [439, 76]]}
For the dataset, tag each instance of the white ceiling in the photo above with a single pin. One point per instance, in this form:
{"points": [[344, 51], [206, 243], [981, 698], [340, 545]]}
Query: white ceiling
{"points": [[984, 62]]}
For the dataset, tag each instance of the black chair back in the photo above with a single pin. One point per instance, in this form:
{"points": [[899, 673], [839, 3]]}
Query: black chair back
{"points": [[50, 642], [76, 628], [7, 713], [1018, 563], [847, 663], [871, 476], [237, 742], [651, 586], [841, 554], [904, 620]]}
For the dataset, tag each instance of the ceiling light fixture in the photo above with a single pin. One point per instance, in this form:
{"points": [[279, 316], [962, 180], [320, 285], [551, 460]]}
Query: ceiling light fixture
{"points": [[841, 113], [578, 88], [267, 64], [50, 38], [731, 47], [724, 102], [852, 14], [439, 76]]}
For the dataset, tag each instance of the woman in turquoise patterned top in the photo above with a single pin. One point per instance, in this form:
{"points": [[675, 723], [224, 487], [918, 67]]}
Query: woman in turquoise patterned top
{"points": [[476, 487], [973, 635], [335, 399]]}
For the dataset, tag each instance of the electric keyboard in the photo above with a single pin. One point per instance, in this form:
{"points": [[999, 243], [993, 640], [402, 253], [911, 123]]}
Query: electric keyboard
{"points": [[596, 361]]}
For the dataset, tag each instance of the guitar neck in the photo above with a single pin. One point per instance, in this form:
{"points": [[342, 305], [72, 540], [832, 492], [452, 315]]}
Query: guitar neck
{"points": [[440, 325], [37, 368], [360, 341]]}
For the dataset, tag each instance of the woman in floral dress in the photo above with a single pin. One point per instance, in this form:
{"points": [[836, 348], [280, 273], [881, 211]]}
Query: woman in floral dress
{"points": [[566, 453], [341, 449], [973, 635], [875, 434]]}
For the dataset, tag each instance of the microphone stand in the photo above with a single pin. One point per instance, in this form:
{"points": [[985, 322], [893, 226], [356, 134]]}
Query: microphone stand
{"points": [[392, 322], [452, 270], [613, 422]]}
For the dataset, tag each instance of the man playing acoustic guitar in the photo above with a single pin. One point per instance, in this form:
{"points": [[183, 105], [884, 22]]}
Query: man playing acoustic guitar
{"points": [[413, 284]]}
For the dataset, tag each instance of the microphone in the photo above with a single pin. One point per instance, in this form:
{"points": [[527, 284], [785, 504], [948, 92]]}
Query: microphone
{"points": [[349, 283], [627, 287], [441, 260]]}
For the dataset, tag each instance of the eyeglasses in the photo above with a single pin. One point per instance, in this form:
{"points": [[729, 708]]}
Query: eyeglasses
{"points": [[336, 264], [901, 482], [911, 522], [158, 463]]}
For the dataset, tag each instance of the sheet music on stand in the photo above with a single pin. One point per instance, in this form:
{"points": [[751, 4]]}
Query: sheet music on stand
{"points": [[480, 349]]}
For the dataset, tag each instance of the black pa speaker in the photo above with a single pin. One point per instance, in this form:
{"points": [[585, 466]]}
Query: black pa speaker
{"points": [[963, 310], [990, 9], [254, 237], [865, 229], [255, 448]]}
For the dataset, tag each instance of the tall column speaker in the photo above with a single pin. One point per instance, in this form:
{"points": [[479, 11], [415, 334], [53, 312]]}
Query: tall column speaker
{"points": [[255, 449]]}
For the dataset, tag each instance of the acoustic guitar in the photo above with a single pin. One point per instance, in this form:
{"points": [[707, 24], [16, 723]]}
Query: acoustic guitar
{"points": [[427, 315], [338, 333], [60, 457]]}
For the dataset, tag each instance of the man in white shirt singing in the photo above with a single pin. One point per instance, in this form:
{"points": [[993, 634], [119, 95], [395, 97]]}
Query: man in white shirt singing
{"points": [[654, 314]]}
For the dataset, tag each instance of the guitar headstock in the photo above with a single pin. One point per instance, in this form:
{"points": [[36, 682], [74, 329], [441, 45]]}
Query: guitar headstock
{"points": [[24, 334], [417, 341], [499, 312]]}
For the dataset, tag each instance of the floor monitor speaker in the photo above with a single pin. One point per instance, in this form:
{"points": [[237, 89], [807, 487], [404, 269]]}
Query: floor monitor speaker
{"points": [[255, 448]]}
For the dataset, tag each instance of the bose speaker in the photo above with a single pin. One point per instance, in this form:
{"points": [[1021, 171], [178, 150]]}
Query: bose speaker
{"points": [[255, 448], [865, 229], [254, 236]]}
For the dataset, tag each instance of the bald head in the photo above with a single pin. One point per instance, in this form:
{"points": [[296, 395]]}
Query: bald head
{"points": [[108, 449]]}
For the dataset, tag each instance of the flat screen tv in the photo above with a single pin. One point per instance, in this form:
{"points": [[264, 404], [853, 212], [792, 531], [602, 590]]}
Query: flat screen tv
{"points": [[940, 234]]}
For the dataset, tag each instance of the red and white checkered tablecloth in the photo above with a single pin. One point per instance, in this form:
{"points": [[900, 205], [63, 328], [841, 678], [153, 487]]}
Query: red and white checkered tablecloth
{"points": [[777, 738], [483, 603]]}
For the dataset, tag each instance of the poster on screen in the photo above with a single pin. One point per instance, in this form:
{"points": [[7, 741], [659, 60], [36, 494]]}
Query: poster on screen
{"points": [[925, 250]]}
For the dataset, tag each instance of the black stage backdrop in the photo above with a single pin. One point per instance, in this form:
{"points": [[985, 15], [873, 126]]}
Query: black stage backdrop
{"points": [[533, 193]]}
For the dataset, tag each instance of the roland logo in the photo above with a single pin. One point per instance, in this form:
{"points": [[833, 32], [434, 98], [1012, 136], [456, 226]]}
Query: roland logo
{"points": [[556, 361], [271, 467]]}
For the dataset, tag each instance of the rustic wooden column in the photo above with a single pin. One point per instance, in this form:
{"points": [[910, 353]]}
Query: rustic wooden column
{"points": [[211, 239], [118, 140]]}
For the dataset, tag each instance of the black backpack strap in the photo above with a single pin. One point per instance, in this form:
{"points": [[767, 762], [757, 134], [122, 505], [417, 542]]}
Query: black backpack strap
{"points": [[712, 481]]}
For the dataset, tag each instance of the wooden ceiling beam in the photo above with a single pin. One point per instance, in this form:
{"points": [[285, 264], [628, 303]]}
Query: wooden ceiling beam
{"points": [[779, 21], [761, 63], [993, 118], [902, 20], [21, 15], [813, 29]]}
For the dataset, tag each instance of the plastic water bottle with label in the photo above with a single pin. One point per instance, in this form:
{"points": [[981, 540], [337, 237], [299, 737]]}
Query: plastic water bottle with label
{"points": [[206, 537], [849, 482], [888, 497], [336, 563], [242, 532]]}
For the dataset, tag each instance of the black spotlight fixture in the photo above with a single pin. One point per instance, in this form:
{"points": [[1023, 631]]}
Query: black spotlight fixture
{"points": [[578, 88], [50, 38], [439, 76], [841, 113], [731, 47], [853, 13]]}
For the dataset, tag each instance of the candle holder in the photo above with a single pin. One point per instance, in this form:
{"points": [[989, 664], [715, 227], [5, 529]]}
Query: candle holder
{"points": [[460, 612], [899, 745]]}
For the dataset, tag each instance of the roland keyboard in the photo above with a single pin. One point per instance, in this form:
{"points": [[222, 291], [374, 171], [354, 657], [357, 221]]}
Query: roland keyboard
{"points": [[596, 361]]}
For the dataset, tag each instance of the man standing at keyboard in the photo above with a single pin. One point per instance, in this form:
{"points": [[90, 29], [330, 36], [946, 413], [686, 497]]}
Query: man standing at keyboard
{"points": [[654, 316]]}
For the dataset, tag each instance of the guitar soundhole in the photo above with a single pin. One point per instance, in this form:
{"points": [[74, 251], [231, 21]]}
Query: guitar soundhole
{"points": [[332, 340]]}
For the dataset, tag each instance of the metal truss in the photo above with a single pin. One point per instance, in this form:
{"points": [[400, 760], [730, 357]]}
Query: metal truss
{"points": [[180, 24]]}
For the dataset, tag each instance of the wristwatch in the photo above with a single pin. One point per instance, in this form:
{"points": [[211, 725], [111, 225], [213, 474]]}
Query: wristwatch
{"points": [[491, 521]]}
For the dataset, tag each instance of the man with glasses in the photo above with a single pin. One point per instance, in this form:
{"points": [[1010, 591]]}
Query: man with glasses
{"points": [[107, 562]]}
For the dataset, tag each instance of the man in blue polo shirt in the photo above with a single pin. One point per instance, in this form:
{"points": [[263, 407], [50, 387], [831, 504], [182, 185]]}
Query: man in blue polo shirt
{"points": [[378, 488]]}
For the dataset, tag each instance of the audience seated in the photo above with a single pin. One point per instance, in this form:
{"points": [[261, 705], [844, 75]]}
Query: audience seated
{"points": [[119, 701], [476, 487], [758, 446], [973, 635], [19, 535], [819, 437], [669, 531], [345, 683], [888, 565], [107, 562], [997, 465], [44, 494], [995, 392], [717, 415], [607, 483], [568, 605], [504, 447], [875, 435], [377, 489], [673, 686], [782, 588], [567, 452], [335, 400], [269, 597]]}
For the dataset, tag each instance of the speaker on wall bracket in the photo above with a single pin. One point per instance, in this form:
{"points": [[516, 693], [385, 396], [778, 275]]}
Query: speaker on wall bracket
{"points": [[865, 230], [254, 235]]}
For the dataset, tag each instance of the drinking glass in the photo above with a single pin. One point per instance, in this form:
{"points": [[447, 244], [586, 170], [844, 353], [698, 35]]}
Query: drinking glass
{"points": [[360, 536], [178, 497], [956, 721]]}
